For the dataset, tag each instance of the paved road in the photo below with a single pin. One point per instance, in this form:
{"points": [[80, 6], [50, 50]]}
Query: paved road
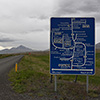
{"points": [[6, 93]]}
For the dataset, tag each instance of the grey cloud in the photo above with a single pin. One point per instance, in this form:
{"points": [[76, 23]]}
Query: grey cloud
{"points": [[37, 30], [43, 17], [32, 17], [71, 6], [6, 40], [65, 7], [75, 7], [97, 16], [34, 30], [65, 10], [90, 6]]}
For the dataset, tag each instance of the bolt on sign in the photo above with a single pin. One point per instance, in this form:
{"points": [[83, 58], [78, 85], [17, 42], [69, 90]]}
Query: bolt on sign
{"points": [[72, 45]]}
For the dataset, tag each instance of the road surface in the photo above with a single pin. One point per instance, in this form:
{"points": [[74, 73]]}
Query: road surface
{"points": [[6, 92]]}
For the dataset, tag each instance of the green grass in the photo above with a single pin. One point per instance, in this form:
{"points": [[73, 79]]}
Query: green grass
{"points": [[33, 78], [8, 55], [5, 55], [32, 67]]}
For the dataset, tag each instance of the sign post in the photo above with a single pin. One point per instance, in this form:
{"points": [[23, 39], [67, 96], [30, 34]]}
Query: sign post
{"points": [[55, 83], [87, 83], [72, 46]]}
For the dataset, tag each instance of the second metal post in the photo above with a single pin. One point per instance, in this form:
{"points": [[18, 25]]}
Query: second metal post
{"points": [[87, 83], [55, 83]]}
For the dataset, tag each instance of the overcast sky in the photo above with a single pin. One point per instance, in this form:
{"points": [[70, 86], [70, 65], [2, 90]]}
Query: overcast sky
{"points": [[27, 22]]}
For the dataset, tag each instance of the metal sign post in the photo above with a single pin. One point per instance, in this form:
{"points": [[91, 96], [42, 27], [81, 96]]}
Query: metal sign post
{"points": [[76, 79], [72, 46], [51, 79], [55, 83], [87, 83]]}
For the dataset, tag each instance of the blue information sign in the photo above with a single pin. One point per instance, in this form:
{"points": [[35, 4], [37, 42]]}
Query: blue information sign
{"points": [[72, 46]]}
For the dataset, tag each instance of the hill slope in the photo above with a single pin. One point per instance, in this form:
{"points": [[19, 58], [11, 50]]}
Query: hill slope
{"points": [[18, 49], [98, 45]]}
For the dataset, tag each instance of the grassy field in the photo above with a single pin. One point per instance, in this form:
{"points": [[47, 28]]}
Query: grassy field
{"points": [[5, 55], [8, 55], [33, 78]]}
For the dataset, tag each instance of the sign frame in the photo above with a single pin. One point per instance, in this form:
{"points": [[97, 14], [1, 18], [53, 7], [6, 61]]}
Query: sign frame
{"points": [[68, 71]]}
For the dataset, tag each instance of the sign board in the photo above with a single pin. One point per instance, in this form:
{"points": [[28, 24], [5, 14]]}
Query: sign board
{"points": [[72, 46]]}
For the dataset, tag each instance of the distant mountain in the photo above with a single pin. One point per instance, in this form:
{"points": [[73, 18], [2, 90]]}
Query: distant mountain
{"points": [[47, 50], [98, 45], [19, 49]]}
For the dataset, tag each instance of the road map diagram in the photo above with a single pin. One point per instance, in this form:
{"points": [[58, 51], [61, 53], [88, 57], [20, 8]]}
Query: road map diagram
{"points": [[72, 46]]}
